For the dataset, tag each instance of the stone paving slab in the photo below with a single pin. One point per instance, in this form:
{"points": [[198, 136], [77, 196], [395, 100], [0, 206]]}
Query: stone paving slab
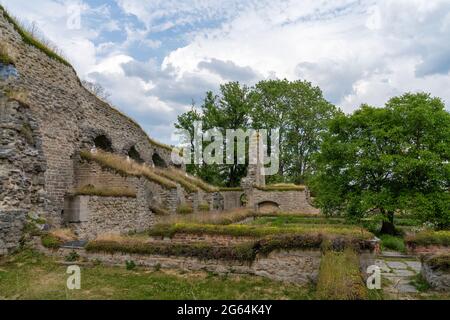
{"points": [[415, 265], [399, 272], [404, 273], [396, 265]]}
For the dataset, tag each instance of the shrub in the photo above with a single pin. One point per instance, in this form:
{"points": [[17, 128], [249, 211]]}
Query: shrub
{"points": [[185, 208], [50, 241], [130, 265], [340, 278], [393, 243], [203, 207], [72, 256], [429, 238]]}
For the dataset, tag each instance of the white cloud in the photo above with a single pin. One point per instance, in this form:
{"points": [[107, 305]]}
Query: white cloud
{"points": [[356, 51]]}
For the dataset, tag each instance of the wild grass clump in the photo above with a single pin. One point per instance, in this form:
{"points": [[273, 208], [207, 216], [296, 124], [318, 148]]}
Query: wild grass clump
{"points": [[159, 211], [203, 207], [124, 167], [392, 243], [5, 58], [90, 190], [20, 96], [50, 241], [29, 38], [429, 238], [281, 187], [340, 277], [185, 208]]}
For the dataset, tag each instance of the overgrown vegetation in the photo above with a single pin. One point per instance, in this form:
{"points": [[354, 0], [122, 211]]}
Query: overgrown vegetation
{"points": [[203, 207], [429, 238], [184, 208], [90, 190], [240, 252], [124, 167], [281, 187], [31, 39], [50, 241], [438, 261], [159, 211], [5, 58], [340, 277], [169, 230], [392, 242]]}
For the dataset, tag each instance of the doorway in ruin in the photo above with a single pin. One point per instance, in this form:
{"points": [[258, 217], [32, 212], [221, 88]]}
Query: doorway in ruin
{"points": [[268, 207]]}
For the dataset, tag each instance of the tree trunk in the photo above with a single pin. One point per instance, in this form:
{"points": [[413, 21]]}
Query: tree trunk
{"points": [[388, 225]]}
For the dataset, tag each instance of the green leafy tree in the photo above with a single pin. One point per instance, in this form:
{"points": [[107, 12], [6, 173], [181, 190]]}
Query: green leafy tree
{"points": [[387, 160], [301, 113]]}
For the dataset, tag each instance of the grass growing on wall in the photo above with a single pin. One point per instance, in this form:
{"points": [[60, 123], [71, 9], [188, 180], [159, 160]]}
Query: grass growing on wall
{"points": [[185, 208], [281, 187], [340, 277], [178, 177], [4, 56], [255, 231], [429, 238], [29, 39], [122, 166], [104, 192]]}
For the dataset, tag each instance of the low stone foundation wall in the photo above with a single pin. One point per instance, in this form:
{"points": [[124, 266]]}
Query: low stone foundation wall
{"points": [[296, 266], [437, 277], [99, 215]]}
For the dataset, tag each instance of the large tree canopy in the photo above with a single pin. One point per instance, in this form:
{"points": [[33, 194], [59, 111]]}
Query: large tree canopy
{"points": [[297, 108], [387, 160]]}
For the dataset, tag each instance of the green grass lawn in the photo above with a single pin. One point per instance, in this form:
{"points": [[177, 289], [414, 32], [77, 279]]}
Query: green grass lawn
{"points": [[29, 275]]}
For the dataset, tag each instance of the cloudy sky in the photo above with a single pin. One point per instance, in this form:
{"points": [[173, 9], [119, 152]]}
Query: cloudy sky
{"points": [[156, 57]]}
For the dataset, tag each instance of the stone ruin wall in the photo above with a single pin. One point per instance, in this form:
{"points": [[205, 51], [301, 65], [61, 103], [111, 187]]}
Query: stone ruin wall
{"points": [[64, 118], [287, 201]]}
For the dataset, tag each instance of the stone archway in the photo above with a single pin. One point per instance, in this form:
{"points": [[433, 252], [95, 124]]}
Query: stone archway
{"points": [[158, 161], [268, 207], [135, 155], [104, 143]]}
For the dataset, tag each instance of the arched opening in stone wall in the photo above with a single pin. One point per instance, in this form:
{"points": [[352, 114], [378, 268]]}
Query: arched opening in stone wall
{"points": [[158, 161], [104, 143], [218, 201], [243, 200], [268, 207], [135, 155]]}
